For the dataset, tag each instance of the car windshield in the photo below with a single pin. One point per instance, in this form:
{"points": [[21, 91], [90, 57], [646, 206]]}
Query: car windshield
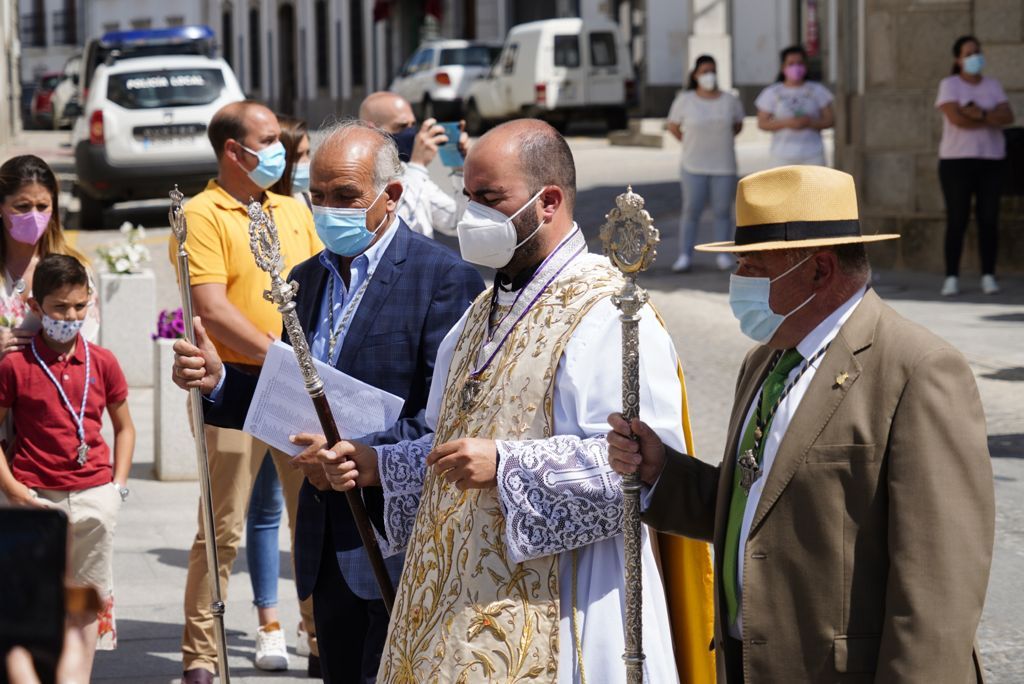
{"points": [[474, 55], [166, 88], [49, 82]]}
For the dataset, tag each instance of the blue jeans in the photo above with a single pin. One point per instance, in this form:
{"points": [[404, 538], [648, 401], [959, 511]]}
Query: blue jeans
{"points": [[261, 525], [697, 189]]}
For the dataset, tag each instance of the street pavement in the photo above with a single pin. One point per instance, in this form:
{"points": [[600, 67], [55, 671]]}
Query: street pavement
{"points": [[159, 520]]}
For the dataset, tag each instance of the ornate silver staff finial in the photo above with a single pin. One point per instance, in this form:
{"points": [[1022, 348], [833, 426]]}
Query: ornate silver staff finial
{"points": [[176, 216], [266, 250], [629, 238]]}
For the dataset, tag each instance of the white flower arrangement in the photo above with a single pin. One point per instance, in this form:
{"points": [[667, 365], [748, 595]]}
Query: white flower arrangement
{"points": [[128, 255]]}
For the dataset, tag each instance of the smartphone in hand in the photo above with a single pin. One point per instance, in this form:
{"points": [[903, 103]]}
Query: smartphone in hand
{"points": [[450, 154]]}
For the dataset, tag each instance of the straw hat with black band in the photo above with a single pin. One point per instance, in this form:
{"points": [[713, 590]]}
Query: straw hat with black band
{"points": [[795, 207]]}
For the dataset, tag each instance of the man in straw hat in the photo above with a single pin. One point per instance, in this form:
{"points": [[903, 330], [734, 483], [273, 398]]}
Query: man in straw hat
{"points": [[852, 514]]}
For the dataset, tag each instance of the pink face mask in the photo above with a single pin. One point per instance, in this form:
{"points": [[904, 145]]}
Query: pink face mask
{"points": [[795, 72], [28, 227]]}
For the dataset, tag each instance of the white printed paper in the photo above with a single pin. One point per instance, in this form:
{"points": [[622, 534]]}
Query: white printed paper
{"points": [[281, 407]]}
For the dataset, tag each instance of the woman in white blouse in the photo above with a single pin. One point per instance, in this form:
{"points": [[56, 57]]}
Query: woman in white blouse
{"points": [[796, 111], [706, 120]]}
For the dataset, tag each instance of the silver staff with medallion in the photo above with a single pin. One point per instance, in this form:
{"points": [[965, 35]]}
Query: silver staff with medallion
{"points": [[180, 229], [629, 239], [266, 249]]}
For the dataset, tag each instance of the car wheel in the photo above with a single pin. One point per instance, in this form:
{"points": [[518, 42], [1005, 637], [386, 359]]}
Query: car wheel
{"points": [[90, 216], [618, 119], [426, 109], [475, 124]]}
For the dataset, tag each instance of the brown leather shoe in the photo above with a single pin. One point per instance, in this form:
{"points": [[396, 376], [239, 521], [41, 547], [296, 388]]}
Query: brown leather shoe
{"points": [[197, 676]]}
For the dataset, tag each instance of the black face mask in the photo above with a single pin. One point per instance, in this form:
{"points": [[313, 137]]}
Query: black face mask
{"points": [[405, 139]]}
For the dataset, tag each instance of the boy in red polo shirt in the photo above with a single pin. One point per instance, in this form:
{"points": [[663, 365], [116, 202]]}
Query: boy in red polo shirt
{"points": [[56, 389]]}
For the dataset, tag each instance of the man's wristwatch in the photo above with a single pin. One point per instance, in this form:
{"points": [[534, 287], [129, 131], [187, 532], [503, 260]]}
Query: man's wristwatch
{"points": [[123, 491]]}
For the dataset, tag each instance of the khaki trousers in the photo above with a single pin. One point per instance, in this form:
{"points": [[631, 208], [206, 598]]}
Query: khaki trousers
{"points": [[92, 518], [235, 458]]}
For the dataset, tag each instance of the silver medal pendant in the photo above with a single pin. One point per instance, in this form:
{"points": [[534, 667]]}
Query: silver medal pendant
{"points": [[750, 471], [83, 453], [469, 392]]}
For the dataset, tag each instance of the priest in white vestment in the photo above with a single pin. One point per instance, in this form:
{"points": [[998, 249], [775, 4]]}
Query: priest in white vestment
{"points": [[510, 514]]}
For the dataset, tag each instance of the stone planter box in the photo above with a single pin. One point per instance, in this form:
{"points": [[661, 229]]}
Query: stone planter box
{"points": [[174, 451], [127, 321]]}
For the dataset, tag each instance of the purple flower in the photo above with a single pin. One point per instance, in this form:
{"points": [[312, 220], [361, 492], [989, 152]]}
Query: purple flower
{"points": [[170, 324]]}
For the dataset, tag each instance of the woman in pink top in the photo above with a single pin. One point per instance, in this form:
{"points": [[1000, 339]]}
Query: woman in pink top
{"points": [[971, 155]]}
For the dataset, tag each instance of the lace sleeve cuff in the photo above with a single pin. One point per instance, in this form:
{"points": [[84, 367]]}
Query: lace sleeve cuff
{"points": [[402, 468], [558, 494]]}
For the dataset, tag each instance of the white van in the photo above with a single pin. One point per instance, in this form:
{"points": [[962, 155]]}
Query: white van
{"points": [[555, 69]]}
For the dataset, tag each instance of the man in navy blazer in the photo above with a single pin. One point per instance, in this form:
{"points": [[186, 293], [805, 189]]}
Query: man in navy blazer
{"points": [[379, 315]]}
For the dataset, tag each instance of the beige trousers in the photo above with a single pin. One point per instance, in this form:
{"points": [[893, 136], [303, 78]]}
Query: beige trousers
{"points": [[92, 518], [235, 459]]}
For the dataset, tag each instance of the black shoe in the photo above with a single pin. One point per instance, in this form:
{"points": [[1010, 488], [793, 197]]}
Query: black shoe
{"points": [[197, 676], [313, 669]]}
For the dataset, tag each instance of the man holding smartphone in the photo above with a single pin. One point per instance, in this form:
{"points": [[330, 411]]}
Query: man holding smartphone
{"points": [[424, 206]]}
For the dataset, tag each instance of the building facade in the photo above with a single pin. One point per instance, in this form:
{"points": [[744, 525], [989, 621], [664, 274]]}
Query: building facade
{"points": [[893, 54], [10, 86]]}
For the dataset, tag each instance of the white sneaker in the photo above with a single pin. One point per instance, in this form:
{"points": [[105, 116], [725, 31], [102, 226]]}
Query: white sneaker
{"points": [[682, 264], [302, 642], [271, 649], [950, 286], [725, 262], [989, 284]]}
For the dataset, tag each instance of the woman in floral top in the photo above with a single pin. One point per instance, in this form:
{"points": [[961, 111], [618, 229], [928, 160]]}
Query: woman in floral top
{"points": [[31, 219]]}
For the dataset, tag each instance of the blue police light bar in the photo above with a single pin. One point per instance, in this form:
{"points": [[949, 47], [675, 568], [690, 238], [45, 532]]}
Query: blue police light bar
{"points": [[177, 34]]}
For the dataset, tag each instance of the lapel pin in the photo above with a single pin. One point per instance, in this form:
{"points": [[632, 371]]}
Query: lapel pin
{"points": [[841, 378]]}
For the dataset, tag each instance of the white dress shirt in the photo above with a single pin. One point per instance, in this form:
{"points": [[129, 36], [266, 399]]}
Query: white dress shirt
{"points": [[824, 333], [424, 205]]}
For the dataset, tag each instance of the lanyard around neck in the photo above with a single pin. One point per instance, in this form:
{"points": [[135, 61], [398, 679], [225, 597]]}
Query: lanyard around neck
{"points": [[79, 418]]}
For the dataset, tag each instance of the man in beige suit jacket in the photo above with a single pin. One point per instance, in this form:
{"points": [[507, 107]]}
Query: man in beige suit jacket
{"points": [[852, 515]]}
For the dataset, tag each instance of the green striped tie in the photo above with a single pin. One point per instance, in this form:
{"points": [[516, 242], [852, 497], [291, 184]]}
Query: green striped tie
{"points": [[770, 392]]}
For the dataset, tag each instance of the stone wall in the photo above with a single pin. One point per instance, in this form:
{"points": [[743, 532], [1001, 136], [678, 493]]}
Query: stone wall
{"points": [[888, 129]]}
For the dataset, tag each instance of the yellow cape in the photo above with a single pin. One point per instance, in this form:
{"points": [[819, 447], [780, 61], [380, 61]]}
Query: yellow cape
{"points": [[689, 590], [689, 584]]}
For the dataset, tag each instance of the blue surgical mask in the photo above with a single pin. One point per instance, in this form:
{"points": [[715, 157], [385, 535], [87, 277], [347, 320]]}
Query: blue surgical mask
{"points": [[270, 167], [343, 230], [405, 140], [973, 64], [300, 178], [749, 299]]}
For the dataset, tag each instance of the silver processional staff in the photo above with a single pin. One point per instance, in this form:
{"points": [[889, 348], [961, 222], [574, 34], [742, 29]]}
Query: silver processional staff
{"points": [[176, 216], [629, 239]]}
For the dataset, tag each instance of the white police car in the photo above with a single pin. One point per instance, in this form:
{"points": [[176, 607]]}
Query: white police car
{"points": [[143, 129]]}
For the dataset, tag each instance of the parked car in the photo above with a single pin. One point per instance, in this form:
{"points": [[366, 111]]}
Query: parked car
{"points": [[556, 69], [438, 75], [143, 129], [66, 106], [115, 45], [41, 112]]}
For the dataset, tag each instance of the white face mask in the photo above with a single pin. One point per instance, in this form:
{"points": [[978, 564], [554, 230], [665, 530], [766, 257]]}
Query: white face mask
{"points": [[749, 299], [61, 332], [708, 80], [487, 237]]}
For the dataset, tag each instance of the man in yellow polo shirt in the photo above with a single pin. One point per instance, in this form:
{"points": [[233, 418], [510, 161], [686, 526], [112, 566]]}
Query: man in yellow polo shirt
{"points": [[227, 291]]}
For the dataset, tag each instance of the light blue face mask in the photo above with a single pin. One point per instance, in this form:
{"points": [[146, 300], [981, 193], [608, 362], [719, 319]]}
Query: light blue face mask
{"points": [[973, 64], [270, 167], [749, 299], [300, 179], [343, 230]]}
